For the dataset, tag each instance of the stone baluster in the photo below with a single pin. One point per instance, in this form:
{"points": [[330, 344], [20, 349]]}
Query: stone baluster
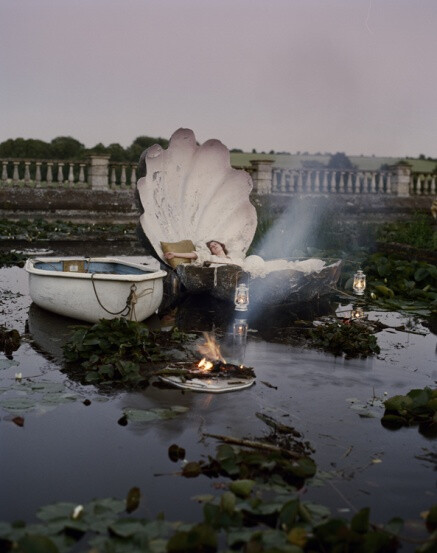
{"points": [[372, 183], [341, 185], [308, 182], [49, 173], [317, 183], [289, 182], [133, 176], [71, 174], [16, 176], [82, 173], [325, 182], [27, 173], [333, 188], [113, 179], [299, 181], [98, 172], [123, 176], [4, 172], [38, 174], [432, 189], [60, 172], [349, 187]]}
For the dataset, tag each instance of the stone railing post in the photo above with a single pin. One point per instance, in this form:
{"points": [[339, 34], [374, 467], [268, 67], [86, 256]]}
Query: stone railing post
{"points": [[262, 175], [98, 172], [400, 182]]}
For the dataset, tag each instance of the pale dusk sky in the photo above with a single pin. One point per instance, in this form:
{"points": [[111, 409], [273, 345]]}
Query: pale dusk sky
{"points": [[357, 76]]}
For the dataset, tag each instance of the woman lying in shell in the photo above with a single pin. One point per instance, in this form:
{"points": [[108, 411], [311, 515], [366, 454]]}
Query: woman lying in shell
{"points": [[191, 193], [254, 264]]}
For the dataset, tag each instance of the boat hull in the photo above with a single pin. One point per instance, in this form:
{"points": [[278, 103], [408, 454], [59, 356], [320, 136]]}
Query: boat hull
{"points": [[277, 287], [109, 288]]}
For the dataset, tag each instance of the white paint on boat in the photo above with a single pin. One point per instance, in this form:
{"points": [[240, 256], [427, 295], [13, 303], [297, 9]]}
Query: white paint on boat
{"points": [[209, 385], [101, 292]]}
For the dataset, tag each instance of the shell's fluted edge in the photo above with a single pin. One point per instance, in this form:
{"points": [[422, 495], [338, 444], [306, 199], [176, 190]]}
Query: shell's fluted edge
{"points": [[191, 192]]}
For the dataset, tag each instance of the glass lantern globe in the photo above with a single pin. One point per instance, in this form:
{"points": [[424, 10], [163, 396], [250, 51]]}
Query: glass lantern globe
{"points": [[241, 297], [357, 313], [240, 328], [359, 284]]}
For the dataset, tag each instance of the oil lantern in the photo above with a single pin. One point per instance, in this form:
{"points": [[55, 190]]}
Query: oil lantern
{"points": [[241, 297], [359, 284]]}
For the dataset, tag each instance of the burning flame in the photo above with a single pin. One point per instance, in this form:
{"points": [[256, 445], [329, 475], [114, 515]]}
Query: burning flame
{"points": [[210, 349], [205, 365]]}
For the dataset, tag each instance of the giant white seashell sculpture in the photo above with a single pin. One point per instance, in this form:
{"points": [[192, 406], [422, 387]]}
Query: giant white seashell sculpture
{"points": [[191, 192]]}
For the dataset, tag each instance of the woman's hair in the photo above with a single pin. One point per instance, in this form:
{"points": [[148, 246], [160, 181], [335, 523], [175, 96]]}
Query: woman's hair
{"points": [[221, 244]]}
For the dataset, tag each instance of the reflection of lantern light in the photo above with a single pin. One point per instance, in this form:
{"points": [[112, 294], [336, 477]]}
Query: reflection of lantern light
{"points": [[359, 284], [357, 313], [240, 328], [241, 297]]}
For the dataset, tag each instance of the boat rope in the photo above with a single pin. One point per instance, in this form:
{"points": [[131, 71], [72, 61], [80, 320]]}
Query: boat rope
{"points": [[126, 308], [133, 298]]}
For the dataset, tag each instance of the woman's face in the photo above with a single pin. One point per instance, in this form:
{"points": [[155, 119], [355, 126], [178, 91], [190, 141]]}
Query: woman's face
{"points": [[216, 248]]}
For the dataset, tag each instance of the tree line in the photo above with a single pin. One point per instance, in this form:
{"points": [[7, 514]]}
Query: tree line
{"points": [[66, 147]]}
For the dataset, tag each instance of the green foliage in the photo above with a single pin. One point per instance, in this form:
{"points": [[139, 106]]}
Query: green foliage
{"points": [[39, 229], [399, 284], [9, 259], [10, 340], [418, 406], [66, 147], [119, 351], [419, 232], [350, 338], [340, 161]]}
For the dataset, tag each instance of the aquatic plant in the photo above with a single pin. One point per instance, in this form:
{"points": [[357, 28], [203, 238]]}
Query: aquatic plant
{"points": [[417, 407], [350, 338], [420, 232], [118, 351], [9, 259], [10, 340]]}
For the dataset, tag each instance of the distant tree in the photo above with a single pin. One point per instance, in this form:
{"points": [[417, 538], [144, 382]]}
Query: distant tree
{"points": [[141, 143], [66, 147], [236, 151], [117, 152], [98, 149], [312, 164], [25, 148], [340, 161], [254, 151]]}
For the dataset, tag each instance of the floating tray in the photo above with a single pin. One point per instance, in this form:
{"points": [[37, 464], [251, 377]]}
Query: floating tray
{"points": [[209, 385]]}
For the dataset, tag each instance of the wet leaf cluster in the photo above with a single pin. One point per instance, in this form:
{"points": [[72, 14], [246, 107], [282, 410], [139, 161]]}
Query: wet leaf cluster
{"points": [[40, 229], [417, 407], [349, 338], [10, 341], [398, 284], [10, 259], [119, 351], [248, 516]]}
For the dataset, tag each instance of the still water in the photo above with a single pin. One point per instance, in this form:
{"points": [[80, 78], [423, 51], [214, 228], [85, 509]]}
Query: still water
{"points": [[69, 451]]}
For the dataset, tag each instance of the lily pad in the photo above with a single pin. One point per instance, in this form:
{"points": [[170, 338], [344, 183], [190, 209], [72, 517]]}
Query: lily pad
{"points": [[156, 413]]}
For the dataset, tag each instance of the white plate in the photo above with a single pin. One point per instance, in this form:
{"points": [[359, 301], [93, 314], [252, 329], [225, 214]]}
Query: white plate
{"points": [[211, 385]]}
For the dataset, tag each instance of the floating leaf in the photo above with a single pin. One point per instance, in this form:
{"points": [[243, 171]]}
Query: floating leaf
{"points": [[133, 499], [156, 413]]}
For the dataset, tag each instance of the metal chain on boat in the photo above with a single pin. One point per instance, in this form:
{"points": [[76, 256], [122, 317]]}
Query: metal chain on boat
{"points": [[129, 299]]}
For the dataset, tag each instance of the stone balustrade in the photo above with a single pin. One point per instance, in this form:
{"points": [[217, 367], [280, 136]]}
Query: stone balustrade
{"points": [[99, 173], [330, 181]]}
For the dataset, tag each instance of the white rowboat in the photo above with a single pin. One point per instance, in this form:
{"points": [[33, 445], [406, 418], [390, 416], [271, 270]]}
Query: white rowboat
{"points": [[90, 289]]}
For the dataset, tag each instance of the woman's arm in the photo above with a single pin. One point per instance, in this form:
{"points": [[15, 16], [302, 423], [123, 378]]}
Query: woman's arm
{"points": [[187, 255]]}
